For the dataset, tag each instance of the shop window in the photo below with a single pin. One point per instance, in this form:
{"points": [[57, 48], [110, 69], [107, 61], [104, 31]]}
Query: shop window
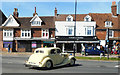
{"points": [[34, 45], [5, 44], [45, 33], [21, 45]]}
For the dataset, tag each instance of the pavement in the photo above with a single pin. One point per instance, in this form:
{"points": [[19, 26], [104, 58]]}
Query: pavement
{"points": [[77, 54]]}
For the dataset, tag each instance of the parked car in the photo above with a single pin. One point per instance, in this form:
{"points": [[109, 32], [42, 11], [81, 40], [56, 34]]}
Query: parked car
{"points": [[49, 57], [93, 51]]}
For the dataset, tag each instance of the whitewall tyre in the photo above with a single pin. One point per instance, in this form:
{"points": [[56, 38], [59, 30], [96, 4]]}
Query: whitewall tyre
{"points": [[48, 65], [72, 62]]}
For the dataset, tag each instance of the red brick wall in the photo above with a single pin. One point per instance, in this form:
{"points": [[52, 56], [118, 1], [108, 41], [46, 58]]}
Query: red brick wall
{"points": [[36, 32], [17, 32], [21, 50], [101, 35], [52, 32], [1, 38]]}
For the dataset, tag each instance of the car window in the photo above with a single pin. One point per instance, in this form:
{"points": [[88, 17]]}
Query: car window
{"points": [[53, 51], [58, 51], [39, 51]]}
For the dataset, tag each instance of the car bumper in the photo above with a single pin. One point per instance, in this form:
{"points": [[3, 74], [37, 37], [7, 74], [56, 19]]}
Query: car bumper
{"points": [[29, 65]]}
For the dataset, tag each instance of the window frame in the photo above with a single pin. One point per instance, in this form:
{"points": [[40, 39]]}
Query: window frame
{"points": [[7, 33], [112, 32], [25, 33], [69, 17], [45, 31], [108, 24]]}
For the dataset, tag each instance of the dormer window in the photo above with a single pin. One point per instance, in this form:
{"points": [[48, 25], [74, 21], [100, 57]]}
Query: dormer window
{"points": [[108, 24], [87, 18], [69, 18], [36, 21]]}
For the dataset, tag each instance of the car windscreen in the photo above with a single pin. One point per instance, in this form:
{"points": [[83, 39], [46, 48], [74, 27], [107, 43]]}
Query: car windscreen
{"points": [[39, 51]]}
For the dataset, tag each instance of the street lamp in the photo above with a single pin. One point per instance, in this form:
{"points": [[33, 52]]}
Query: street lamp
{"points": [[107, 41], [74, 47]]}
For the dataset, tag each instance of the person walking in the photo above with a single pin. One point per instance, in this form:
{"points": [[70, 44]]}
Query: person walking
{"points": [[8, 47], [83, 49]]}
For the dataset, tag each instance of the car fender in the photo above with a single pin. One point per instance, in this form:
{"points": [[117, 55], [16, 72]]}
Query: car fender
{"points": [[72, 57], [45, 60]]}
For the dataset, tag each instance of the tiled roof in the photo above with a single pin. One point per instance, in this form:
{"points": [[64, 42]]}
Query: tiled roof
{"points": [[2, 18], [48, 22], [100, 19]]}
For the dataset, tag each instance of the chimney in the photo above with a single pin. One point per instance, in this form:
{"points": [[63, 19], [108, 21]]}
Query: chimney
{"points": [[35, 12], [55, 11], [114, 8], [15, 13]]}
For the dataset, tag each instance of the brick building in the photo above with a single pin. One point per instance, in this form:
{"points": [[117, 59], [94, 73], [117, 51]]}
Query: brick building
{"points": [[2, 20], [24, 34], [85, 25], [111, 21]]}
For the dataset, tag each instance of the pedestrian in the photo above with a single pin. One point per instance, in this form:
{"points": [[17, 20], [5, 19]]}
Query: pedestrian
{"points": [[8, 47], [98, 46], [83, 49]]}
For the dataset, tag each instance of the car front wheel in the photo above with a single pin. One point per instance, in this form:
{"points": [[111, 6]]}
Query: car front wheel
{"points": [[72, 62], [48, 64]]}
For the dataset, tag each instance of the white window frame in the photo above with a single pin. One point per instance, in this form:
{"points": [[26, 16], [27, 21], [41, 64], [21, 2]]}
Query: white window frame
{"points": [[67, 30], [108, 25], [69, 17], [92, 31], [8, 33], [36, 23], [25, 31], [46, 31], [89, 18], [112, 34]]}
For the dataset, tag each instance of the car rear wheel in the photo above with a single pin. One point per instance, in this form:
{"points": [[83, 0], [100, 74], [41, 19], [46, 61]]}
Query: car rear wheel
{"points": [[48, 64], [72, 62]]}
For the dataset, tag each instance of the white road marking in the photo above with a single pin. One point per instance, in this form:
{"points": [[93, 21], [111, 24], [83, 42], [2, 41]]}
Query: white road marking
{"points": [[117, 66]]}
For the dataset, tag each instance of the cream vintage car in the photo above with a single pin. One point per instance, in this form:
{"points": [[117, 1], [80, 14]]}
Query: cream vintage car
{"points": [[49, 57]]}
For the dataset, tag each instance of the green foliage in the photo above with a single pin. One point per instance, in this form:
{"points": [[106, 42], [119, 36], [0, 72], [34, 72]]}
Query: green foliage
{"points": [[98, 58]]}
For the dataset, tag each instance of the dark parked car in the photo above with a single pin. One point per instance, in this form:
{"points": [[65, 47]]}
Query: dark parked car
{"points": [[93, 51]]}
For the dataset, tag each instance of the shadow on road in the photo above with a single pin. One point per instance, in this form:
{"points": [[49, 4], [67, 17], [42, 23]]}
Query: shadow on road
{"points": [[66, 66]]}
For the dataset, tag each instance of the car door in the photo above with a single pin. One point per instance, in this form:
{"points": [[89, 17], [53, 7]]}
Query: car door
{"points": [[53, 56], [59, 57]]}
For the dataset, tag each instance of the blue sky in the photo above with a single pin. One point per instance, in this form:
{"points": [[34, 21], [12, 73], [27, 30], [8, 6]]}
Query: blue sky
{"points": [[26, 9]]}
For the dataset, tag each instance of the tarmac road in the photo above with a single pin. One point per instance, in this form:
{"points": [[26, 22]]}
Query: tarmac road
{"points": [[14, 64]]}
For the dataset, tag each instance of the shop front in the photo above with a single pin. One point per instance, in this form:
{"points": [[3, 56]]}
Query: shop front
{"points": [[66, 43]]}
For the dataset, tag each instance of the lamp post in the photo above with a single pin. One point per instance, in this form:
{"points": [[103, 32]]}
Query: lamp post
{"points": [[107, 43], [74, 47]]}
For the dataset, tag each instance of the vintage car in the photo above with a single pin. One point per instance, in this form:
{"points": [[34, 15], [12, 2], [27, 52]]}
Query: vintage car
{"points": [[49, 57]]}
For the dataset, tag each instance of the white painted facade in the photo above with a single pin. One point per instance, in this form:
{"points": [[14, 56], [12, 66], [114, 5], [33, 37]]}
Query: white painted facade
{"points": [[10, 22], [81, 28], [36, 21], [8, 35]]}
